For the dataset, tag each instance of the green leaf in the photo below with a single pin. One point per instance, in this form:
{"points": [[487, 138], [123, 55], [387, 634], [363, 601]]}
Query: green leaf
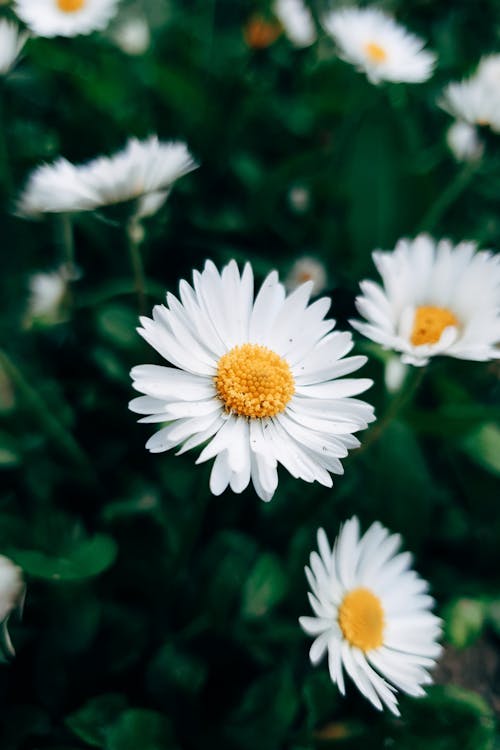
{"points": [[89, 558], [174, 669], [92, 721], [448, 718], [464, 621], [483, 446], [265, 587], [139, 729], [266, 713]]}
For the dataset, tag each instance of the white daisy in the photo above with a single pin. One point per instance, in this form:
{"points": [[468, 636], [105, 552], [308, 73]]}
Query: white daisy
{"points": [[377, 45], [12, 589], [371, 615], [476, 100], [11, 43], [436, 299], [255, 381], [297, 21], [65, 17], [48, 292], [307, 269], [464, 142], [132, 35], [144, 171]]}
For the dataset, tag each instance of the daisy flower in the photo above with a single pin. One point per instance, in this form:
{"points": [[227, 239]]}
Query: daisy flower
{"points": [[373, 42], [48, 293], [254, 381], [133, 35], [464, 142], [144, 171], [65, 17], [12, 590], [476, 100], [307, 269], [11, 43], [436, 299], [371, 615], [297, 21]]}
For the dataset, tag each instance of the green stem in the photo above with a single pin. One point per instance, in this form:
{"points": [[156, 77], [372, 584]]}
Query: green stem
{"points": [[50, 424], [396, 406], [135, 236], [447, 198], [67, 241]]}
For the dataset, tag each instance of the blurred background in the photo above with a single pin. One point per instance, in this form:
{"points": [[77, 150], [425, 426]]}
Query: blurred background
{"points": [[158, 616]]}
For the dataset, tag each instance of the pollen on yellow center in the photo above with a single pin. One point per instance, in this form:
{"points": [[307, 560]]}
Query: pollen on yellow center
{"points": [[361, 619], [429, 323], [70, 6], [375, 52], [253, 381]]}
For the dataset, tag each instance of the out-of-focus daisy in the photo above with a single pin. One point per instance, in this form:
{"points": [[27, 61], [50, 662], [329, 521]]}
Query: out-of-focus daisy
{"points": [[436, 299], [464, 142], [297, 21], [11, 43], [377, 45], [144, 171], [395, 373], [371, 615], [12, 589], [476, 100], [48, 293], [132, 35], [256, 381], [260, 33], [307, 269], [65, 17], [299, 198]]}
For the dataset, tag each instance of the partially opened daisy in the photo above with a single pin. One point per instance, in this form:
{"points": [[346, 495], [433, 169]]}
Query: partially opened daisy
{"points": [[372, 615], [476, 100], [297, 21], [12, 40], [144, 171], [377, 45], [256, 382], [12, 592], [436, 299], [51, 18]]}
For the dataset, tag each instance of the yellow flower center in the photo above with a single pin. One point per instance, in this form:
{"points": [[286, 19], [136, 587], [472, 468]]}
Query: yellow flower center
{"points": [[254, 381], [70, 6], [361, 619], [375, 52], [429, 324]]}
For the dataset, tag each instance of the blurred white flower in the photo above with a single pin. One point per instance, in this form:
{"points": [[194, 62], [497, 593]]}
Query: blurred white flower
{"points": [[132, 35], [12, 40], [256, 381], [12, 590], [297, 21], [377, 45], [394, 374], [144, 171], [437, 299], [299, 198], [51, 18], [372, 615], [476, 99], [464, 142], [307, 269], [48, 291]]}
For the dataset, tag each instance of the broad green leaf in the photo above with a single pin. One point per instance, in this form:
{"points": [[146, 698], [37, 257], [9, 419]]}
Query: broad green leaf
{"points": [[265, 587], [464, 621], [483, 446], [88, 558], [92, 721], [140, 729]]}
